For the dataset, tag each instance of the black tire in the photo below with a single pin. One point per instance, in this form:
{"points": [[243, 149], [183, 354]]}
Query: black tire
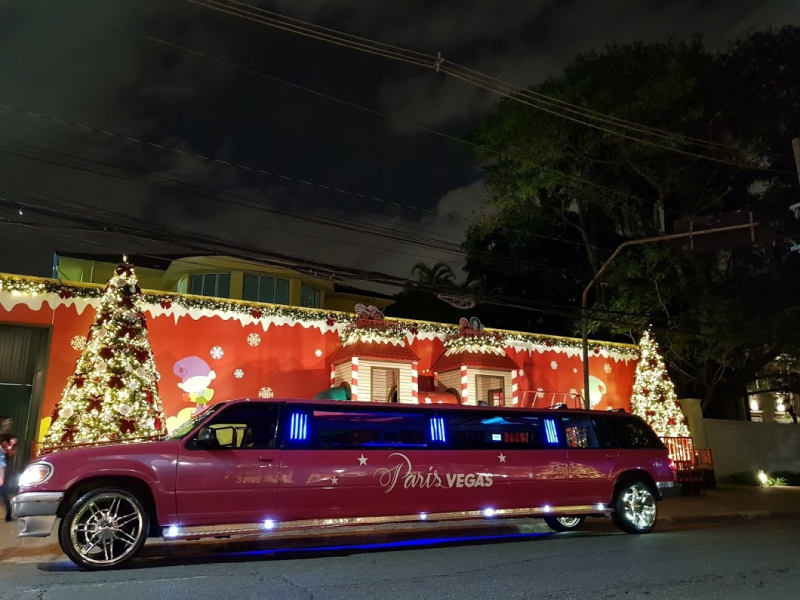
{"points": [[104, 529], [635, 507], [565, 523]]}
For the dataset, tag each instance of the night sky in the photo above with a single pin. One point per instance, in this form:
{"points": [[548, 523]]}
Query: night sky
{"points": [[79, 61]]}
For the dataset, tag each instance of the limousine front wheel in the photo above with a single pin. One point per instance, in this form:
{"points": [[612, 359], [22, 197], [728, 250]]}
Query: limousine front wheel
{"points": [[634, 507], [104, 528], [564, 523]]}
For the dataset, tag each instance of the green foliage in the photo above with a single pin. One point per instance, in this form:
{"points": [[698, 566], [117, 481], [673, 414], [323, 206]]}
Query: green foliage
{"points": [[780, 479], [719, 316]]}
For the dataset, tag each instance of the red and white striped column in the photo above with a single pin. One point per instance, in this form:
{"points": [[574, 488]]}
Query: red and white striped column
{"points": [[333, 375], [414, 383], [515, 387], [464, 391], [354, 378]]}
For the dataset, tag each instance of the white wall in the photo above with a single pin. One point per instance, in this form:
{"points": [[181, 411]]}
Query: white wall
{"points": [[477, 391], [748, 446]]}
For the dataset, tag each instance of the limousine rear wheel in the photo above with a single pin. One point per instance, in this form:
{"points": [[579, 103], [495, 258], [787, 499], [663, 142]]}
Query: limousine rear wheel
{"points": [[634, 507], [104, 529], [564, 523]]}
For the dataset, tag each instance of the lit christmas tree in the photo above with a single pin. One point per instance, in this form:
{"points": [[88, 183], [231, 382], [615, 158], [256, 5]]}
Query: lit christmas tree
{"points": [[654, 396], [113, 394]]}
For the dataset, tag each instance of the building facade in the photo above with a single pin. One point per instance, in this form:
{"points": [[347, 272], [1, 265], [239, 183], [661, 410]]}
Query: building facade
{"points": [[241, 348]]}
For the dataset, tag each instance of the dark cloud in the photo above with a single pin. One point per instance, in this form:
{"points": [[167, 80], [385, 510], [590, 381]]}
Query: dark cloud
{"points": [[80, 61]]}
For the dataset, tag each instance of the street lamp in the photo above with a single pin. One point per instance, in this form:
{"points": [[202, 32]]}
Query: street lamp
{"points": [[622, 246]]}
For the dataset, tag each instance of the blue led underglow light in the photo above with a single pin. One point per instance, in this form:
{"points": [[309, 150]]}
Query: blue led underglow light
{"points": [[551, 431], [298, 427], [378, 546]]}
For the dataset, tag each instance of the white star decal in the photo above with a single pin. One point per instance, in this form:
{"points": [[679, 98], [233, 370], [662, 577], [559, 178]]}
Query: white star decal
{"points": [[502, 457], [362, 460], [530, 475], [334, 480]]}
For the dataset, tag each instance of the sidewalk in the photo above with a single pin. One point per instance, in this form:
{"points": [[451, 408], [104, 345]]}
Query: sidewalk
{"points": [[727, 503]]}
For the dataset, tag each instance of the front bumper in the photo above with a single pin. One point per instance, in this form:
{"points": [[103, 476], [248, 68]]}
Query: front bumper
{"points": [[668, 489], [36, 512]]}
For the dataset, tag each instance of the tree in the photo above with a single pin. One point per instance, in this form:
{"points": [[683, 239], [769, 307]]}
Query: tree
{"points": [[439, 274], [113, 393], [420, 304], [654, 396], [568, 192]]}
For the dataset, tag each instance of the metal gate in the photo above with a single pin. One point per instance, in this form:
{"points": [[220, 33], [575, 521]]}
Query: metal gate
{"points": [[23, 361]]}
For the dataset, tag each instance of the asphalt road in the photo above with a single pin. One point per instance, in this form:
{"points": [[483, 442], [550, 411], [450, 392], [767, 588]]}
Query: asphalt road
{"points": [[758, 559]]}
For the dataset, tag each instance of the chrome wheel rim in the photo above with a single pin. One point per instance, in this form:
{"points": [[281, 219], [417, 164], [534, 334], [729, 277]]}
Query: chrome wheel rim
{"points": [[569, 521], [639, 506], [106, 529]]}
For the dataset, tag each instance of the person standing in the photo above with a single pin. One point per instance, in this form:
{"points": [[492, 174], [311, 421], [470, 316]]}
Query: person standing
{"points": [[7, 451]]}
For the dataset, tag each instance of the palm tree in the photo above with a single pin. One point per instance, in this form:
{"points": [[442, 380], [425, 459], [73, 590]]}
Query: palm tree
{"points": [[439, 274]]}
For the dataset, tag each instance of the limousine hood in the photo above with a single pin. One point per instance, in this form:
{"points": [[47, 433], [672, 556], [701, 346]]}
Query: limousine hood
{"points": [[142, 459]]}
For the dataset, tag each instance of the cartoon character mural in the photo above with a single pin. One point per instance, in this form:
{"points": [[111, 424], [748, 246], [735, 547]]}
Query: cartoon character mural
{"points": [[196, 377], [597, 389]]}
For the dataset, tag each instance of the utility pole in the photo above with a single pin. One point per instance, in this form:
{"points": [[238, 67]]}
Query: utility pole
{"points": [[622, 246]]}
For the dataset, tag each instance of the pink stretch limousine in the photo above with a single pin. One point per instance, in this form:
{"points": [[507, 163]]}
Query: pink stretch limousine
{"points": [[260, 466]]}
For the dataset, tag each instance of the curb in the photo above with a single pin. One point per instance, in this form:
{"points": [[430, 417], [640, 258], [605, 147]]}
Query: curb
{"points": [[748, 515], [158, 548]]}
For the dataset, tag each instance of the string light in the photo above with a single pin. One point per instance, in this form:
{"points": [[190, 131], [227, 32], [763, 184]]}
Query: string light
{"points": [[654, 396], [400, 328], [113, 393]]}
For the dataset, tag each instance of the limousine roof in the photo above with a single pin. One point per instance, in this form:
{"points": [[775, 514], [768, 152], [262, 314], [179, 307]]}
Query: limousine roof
{"points": [[366, 405]]}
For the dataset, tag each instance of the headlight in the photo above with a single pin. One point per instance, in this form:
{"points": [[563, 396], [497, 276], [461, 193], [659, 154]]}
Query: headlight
{"points": [[36, 474]]}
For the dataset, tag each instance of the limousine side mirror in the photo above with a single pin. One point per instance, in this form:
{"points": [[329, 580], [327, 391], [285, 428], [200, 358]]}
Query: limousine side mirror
{"points": [[206, 437]]}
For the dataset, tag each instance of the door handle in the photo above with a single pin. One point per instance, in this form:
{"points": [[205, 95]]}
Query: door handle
{"points": [[265, 459], [611, 455]]}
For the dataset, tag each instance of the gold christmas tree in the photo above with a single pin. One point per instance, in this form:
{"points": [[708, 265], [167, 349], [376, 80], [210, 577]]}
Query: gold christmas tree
{"points": [[113, 394], [654, 396]]}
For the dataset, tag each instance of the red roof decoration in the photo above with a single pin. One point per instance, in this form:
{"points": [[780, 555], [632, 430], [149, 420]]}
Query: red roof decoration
{"points": [[477, 360], [374, 351]]}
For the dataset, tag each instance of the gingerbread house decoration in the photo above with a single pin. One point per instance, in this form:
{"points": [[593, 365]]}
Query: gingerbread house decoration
{"points": [[375, 361], [475, 362]]}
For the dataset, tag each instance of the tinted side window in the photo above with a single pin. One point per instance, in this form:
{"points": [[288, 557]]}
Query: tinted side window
{"points": [[245, 426], [631, 432], [361, 429], [582, 432], [481, 430]]}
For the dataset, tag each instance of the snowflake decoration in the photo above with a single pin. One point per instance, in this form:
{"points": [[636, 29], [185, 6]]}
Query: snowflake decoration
{"points": [[607, 368], [78, 343], [574, 370], [253, 339], [540, 392], [318, 353], [238, 373], [266, 392], [521, 373], [217, 352], [553, 365]]}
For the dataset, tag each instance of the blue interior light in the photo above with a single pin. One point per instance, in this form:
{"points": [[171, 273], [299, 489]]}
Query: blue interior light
{"points": [[298, 427], [551, 431], [437, 429]]}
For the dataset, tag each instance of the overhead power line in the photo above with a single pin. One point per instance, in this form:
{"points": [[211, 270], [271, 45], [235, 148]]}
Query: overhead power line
{"points": [[328, 220], [495, 85], [395, 119], [109, 221]]}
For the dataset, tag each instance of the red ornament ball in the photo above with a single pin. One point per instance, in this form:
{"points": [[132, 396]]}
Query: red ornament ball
{"points": [[256, 314]]}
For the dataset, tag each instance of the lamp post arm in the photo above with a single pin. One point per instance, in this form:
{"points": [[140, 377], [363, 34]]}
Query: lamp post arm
{"points": [[602, 269]]}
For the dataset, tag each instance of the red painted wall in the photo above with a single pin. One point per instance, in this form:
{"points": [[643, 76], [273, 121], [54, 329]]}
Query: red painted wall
{"points": [[287, 360]]}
